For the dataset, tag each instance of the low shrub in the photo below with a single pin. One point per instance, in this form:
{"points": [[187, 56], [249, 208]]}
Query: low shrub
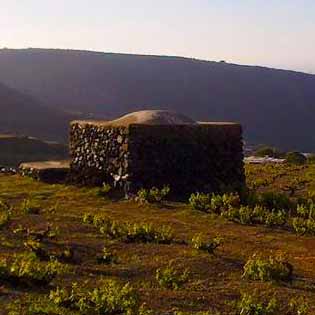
{"points": [[273, 200], [199, 242], [298, 306], [170, 277], [306, 211], [5, 214], [214, 203], [104, 190], [153, 195], [27, 269], [296, 158], [303, 226], [107, 257], [109, 298], [273, 268], [131, 232], [200, 201], [256, 215], [5, 217], [252, 305], [37, 248], [30, 207], [146, 233]]}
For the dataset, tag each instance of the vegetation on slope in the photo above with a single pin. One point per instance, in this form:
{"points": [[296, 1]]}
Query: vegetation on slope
{"points": [[100, 256]]}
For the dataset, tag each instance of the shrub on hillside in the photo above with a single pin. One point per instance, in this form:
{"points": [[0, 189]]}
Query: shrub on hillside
{"points": [[295, 158], [27, 269], [131, 232], [214, 203], [104, 190], [209, 245], [252, 305], [109, 298], [272, 268], [274, 200], [153, 195], [170, 277], [303, 226], [268, 151], [107, 257], [30, 207]]}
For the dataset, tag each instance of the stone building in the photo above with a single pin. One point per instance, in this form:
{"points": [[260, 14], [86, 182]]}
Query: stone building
{"points": [[156, 148]]}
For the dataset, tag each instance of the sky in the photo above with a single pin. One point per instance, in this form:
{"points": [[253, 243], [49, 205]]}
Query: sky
{"points": [[274, 33]]}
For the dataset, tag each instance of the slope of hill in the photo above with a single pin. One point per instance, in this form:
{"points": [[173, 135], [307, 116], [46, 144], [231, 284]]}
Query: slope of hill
{"points": [[275, 106], [17, 149], [23, 114], [56, 221]]}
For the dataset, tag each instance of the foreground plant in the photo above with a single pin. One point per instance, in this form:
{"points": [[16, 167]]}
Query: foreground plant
{"points": [[153, 195], [130, 232], [272, 268], [252, 305], [109, 298], [30, 207], [209, 245], [107, 257], [27, 269], [214, 203], [170, 277]]}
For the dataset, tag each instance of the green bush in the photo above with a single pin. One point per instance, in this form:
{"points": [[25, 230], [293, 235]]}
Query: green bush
{"points": [[109, 298], [296, 158], [274, 200], [146, 233], [30, 207], [214, 203], [199, 242], [131, 232], [256, 215], [27, 269], [298, 306], [251, 305], [170, 277], [306, 211], [107, 257], [153, 195], [104, 190], [268, 151], [200, 201], [273, 268], [5, 217], [303, 226]]}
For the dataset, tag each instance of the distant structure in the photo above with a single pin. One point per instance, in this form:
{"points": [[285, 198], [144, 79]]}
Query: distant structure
{"points": [[156, 148]]}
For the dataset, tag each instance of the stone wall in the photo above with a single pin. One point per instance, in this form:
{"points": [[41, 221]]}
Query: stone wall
{"points": [[99, 154], [204, 157]]}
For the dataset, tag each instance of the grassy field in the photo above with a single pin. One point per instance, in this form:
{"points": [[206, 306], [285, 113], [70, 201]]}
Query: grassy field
{"points": [[214, 282]]}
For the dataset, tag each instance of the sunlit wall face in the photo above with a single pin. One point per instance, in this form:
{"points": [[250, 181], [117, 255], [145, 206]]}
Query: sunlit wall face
{"points": [[272, 33]]}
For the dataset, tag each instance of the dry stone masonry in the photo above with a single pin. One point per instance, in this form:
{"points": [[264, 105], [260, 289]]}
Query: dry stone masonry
{"points": [[156, 148]]}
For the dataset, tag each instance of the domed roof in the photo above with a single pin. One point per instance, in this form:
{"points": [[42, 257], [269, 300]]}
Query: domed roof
{"points": [[154, 117], [144, 117]]}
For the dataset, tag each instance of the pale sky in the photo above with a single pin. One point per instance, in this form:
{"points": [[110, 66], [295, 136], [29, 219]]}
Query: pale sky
{"points": [[276, 33]]}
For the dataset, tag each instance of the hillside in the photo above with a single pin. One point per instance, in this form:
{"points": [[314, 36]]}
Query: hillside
{"points": [[17, 149], [275, 106], [75, 225], [24, 115]]}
